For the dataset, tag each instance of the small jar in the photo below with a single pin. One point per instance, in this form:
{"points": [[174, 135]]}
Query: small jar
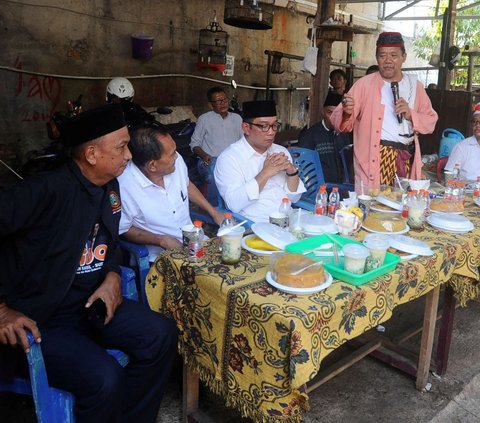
{"points": [[355, 258], [377, 245]]}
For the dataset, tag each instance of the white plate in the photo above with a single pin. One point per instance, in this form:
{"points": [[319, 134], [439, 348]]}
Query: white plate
{"points": [[378, 209], [449, 228], [254, 250], [273, 234], [317, 224], [477, 201], [410, 257], [387, 233], [450, 221], [293, 290], [390, 203], [446, 212], [410, 245]]}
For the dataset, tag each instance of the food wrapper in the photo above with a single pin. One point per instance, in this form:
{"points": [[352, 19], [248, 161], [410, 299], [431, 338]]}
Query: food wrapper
{"points": [[259, 244], [349, 220]]}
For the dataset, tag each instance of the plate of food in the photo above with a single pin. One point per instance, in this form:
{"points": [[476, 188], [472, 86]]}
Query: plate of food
{"points": [[382, 208], [296, 274], [258, 246], [387, 201], [385, 224], [439, 205]]}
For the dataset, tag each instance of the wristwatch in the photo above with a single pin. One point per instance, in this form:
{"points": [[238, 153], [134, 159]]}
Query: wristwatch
{"points": [[292, 174]]}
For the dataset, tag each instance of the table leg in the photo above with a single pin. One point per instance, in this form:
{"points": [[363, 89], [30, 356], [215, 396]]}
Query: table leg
{"points": [[190, 393], [446, 328], [428, 333]]}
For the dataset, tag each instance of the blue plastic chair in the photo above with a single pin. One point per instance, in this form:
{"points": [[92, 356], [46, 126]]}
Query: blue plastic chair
{"points": [[310, 171], [53, 405], [139, 255]]}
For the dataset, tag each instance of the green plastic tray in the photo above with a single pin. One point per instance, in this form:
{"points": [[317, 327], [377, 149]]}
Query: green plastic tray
{"points": [[337, 270]]}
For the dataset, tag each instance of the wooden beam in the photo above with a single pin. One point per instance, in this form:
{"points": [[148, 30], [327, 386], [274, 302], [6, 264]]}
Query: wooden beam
{"points": [[319, 84]]}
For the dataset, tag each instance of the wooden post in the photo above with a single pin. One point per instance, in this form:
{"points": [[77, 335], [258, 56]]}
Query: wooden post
{"points": [[319, 85], [448, 36]]}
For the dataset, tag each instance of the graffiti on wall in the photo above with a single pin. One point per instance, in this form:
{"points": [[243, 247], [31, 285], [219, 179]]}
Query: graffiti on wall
{"points": [[47, 89]]}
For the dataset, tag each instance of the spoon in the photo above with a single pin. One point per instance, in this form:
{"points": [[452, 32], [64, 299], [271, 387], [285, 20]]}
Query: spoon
{"points": [[305, 268], [228, 229], [326, 246]]}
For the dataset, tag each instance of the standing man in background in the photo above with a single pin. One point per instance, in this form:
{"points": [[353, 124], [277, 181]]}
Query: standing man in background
{"points": [[323, 138], [385, 129], [215, 130]]}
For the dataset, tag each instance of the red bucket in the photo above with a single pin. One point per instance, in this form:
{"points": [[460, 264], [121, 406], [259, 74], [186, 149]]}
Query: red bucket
{"points": [[142, 46]]}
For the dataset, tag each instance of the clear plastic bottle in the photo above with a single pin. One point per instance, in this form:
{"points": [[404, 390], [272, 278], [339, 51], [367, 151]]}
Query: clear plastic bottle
{"points": [[321, 201], [449, 190], [406, 203], [226, 222], [456, 171], [333, 202], [285, 209], [426, 198], [476, 189], [195, 244], [455, 191]]}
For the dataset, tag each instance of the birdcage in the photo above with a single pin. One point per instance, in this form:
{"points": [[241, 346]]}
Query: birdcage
{"points": [[250, 14], [212, 47]]}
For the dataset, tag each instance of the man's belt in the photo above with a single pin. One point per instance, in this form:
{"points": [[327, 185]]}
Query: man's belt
{"points": [[399, 145]]}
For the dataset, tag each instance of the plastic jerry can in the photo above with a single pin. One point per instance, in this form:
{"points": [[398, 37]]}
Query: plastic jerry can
{"points": [[450, 137]]}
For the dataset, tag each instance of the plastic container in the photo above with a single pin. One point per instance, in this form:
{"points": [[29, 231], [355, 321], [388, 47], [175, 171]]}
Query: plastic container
{"points": [[450, 137], [337, 270], [355, 258], [232, 245], [142, 46], [321, 201], [226, 222], [333, 202], [377, 245]]}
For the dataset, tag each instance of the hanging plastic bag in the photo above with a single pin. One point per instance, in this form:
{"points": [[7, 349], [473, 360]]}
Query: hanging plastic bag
{"points": [[309, 63]]}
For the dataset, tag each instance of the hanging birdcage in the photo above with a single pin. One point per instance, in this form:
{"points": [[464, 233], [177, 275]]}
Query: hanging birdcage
{"points": [[249, 14], [212, 47]]}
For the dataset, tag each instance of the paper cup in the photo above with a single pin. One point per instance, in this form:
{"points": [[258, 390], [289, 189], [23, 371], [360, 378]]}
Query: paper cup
{"points": [[187, 232], [364, 203], [279, 219], [447, 177]]}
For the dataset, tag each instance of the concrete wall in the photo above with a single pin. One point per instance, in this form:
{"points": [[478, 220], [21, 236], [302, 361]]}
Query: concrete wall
{"points": [[81, 44]]}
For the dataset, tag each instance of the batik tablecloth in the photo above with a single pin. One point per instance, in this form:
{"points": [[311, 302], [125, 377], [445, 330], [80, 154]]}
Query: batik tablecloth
{"points": [[256, 346]]}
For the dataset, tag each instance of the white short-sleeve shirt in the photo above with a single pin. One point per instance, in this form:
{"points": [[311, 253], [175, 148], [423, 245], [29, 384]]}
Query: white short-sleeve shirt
{"points": [[153, 208]]}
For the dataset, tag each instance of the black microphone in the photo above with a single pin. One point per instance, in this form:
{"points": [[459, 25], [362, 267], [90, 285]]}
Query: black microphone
{"points": [[396, 97]]}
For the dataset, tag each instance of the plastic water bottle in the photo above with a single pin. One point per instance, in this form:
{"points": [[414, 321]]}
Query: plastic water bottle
{"points": [[285, 209], [426, 198], [333, 202], [226, 222], [321, 201], [456, 171], [195, 244], [476, 189], [406, 203]]}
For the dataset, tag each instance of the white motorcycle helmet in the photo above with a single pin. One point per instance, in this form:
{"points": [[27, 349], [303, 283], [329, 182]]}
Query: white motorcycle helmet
{"points": [[121, 88]]}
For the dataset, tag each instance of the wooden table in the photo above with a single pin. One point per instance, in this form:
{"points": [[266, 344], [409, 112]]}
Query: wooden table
{"points": [[258, 347]]}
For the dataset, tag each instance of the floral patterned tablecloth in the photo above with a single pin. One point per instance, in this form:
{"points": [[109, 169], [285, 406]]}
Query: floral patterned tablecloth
{"points": [[257, 346]]}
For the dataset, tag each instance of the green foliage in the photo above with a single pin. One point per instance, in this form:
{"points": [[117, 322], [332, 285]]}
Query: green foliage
{"points": [[467, 32]]}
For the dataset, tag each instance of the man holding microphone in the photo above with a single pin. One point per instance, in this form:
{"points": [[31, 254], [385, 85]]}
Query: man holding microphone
{"points": [[386, 111]]}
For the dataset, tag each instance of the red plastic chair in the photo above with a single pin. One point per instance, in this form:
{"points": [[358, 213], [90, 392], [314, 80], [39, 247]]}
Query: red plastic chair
{"points": [[440, 166]]}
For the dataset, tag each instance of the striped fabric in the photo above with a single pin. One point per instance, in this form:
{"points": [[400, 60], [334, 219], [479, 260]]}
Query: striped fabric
{"points": [[388, 165]]}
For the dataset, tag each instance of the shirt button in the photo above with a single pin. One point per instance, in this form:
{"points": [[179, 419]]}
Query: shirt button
{"points": [[378, 132], [375, 145], [379, 118], [373, 161]]}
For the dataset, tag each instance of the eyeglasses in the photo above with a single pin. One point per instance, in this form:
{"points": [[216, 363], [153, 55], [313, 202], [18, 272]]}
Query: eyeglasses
{"points": [[475, 122], [219, 101], [265, 127]]}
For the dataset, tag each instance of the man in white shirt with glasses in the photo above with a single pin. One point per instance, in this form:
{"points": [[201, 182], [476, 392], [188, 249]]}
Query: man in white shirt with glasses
{"points": [[467, 152], [214, 131], [254, 174]]}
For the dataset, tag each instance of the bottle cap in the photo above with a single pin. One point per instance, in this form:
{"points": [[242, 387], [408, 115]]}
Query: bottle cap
{"points": [[197, 223], [285, 200], [227, 215], [335, 188]]}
